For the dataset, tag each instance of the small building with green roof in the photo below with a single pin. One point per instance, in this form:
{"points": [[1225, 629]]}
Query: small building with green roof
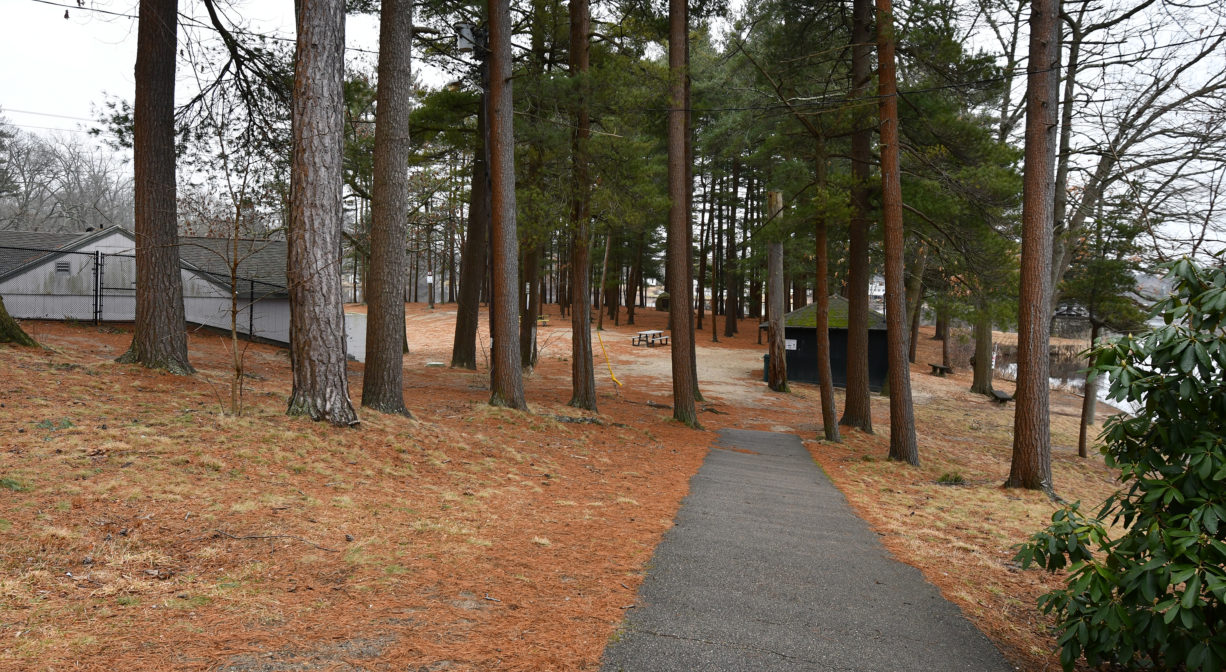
{"points": [[800, 338]]}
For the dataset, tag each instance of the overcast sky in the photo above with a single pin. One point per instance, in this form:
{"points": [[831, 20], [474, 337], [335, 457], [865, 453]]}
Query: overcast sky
{"points": [[50, 65]]}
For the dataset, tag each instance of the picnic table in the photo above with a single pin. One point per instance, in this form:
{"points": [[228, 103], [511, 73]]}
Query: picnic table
{"points": [[650, 338]]}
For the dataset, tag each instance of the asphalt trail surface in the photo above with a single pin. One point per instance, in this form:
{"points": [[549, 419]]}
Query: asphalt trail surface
{"points": [[768, 569]]}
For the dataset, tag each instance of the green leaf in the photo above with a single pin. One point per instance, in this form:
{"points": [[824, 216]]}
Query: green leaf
{"points": [[1191, 593]]}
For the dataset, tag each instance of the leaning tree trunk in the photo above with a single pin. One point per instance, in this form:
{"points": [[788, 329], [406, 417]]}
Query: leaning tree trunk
{"points": [[915, 298], [582, 373], [317, 318], [903, 445], [821, 318], [383, 382], [506, 376], [159, 340], [473, 261], [681, 315], [10, 331], [857, 407], [1090, 402], [1031, 464]]}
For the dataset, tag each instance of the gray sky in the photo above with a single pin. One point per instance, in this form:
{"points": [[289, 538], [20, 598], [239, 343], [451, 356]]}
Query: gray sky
{"points": [[57, 66]]}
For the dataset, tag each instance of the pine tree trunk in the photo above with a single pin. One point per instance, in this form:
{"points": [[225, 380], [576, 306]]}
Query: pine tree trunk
{"points": [[601, 292], [1090, 401], [1031, 464], [583, 375], [981, 377], [383, 382], [10, 331], [679, 288], [531, 309], [506, 376], [915, 298], [777, 371], [857, 408], [703, 227], [688, 170], [473, 259], [903, 445], [821, 295], [317, 320], [159, 339], [731, 295]]}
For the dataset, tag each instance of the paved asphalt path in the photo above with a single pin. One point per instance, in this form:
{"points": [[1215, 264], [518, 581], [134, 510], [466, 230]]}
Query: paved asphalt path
{"points": [[767, 569]]}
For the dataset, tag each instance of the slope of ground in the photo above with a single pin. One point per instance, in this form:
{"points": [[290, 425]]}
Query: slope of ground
{"points": [[142, 528]]}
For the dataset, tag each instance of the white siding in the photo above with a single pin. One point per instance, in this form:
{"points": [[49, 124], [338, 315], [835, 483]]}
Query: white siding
{"points": [[43, 293]]}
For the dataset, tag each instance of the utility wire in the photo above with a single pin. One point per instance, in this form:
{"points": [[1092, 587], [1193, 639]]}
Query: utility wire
{"points": [[46, 114]]}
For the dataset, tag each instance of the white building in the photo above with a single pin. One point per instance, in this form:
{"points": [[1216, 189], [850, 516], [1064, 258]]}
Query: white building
{"points": [[92, 277]]}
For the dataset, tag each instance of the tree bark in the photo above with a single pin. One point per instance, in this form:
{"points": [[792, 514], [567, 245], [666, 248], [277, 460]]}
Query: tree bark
{"points": [[777, 371], [10, 331], [903, 445], [731, 295], [776, 295], [1031, 463], [857, 407], [915, 298], [601, 292], [981, 380], [383, 382], [821, 316], [1090, 402], [583, 375], [688, 171], [159, 339], [473, 260], [679, 288], [317, 320], [506, 376], [531, 308]]}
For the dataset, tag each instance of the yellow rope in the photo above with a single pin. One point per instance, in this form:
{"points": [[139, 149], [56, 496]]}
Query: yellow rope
{"points": [[606, 359]]}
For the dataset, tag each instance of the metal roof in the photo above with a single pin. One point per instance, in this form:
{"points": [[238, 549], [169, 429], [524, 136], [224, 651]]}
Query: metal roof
{"points": [[261, 261]]}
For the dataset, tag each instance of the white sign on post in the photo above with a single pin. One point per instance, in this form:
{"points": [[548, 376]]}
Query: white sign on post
{"points": [[789, 344], [429, 278]]}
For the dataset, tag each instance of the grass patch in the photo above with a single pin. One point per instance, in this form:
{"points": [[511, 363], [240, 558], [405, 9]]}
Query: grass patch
{"points": [[951, 478], [14, 484]]}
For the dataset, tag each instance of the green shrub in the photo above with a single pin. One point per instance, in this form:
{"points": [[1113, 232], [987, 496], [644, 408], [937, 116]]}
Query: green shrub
{"points": [[1154, 596]]}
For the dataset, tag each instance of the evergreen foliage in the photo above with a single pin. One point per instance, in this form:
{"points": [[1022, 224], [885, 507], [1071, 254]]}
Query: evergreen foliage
{"points": [[1154, 595]]}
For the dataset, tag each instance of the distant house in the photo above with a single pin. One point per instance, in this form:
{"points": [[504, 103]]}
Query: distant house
{"points": [[91, 276], [800, 339]]}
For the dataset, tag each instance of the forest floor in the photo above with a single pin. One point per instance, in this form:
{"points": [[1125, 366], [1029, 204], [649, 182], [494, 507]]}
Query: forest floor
{"points": [[144, 528]]}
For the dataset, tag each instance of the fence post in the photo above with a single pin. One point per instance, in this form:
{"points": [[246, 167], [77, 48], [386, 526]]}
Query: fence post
{"points": [[97, 287], [251, 310]]}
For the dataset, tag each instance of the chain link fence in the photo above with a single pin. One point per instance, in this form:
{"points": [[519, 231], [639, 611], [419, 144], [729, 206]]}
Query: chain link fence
{"points": [[45, 284]]}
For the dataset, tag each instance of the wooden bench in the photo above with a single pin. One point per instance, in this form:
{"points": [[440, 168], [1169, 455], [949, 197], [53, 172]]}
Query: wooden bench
{"points": [[940, 369], [1000, 397]]}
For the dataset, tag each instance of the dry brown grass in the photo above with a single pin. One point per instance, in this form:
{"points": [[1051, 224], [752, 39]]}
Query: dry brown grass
{"points": [[143, 529]]}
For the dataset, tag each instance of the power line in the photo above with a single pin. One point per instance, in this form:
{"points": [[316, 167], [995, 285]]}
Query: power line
{"points": [[87, 9], [45, 128], [47, 114]]}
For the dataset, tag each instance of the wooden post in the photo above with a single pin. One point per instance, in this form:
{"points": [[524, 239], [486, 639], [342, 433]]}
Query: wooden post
{"points": [[778, 372]]}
